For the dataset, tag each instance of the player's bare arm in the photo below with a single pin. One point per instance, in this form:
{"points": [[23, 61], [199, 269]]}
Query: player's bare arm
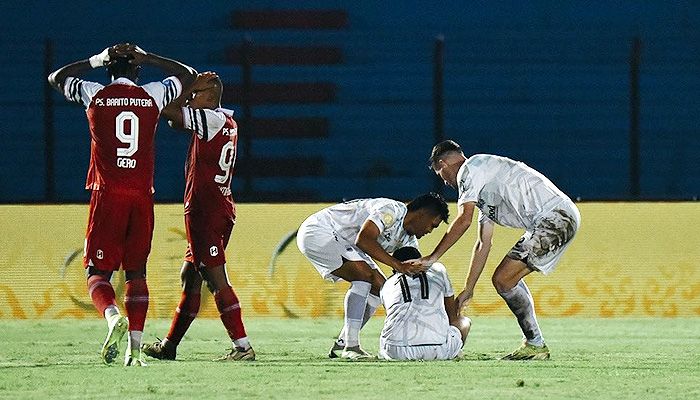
{"points": [[455, 231], [184, 73], [367, 242], [451, 309], [59, 76], [480, 254]]}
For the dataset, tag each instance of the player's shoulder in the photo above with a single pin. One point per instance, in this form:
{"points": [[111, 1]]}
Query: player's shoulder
{"points": [[439, 268]]}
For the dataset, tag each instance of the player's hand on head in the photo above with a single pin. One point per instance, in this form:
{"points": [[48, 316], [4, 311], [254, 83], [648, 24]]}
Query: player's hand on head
{"points": [[204, 81], [410, 269], [423, 261], [136, 53]]}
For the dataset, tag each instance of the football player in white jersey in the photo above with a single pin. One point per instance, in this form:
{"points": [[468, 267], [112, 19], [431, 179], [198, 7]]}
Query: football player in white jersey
{"points": [[343, 241], [422, 321], [508, 193]]}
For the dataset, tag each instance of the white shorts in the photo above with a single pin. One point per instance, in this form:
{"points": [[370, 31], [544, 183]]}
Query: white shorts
{"points": [[542, 247], [326, 251], [446, 351]]}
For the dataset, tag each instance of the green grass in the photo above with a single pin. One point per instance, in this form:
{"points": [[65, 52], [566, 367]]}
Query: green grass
{"points": [[591, 359]]}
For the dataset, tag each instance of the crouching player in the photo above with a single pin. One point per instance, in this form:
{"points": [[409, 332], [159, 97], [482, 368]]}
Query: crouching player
{"points": [[422, 321], [209, 215]]}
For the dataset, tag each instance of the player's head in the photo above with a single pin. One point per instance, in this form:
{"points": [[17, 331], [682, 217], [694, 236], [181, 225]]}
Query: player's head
{"points": [[446, 159], [210, 96], [407, 253], [120, 67], [425, 213]]}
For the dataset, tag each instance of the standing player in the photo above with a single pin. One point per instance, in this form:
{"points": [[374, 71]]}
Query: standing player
{"points": [[507, 193], [342, 242], [422, 320], [209, 215], [122, 118]]}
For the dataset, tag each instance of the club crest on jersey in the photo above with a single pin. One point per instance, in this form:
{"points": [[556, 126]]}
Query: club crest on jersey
{"points": [[99, 254], [213, 251], [388, 219]]}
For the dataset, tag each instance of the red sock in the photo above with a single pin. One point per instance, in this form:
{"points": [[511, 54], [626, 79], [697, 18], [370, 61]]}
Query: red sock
{"points": [[136, 303], [185, 313], [101, 292], [230, 312]]}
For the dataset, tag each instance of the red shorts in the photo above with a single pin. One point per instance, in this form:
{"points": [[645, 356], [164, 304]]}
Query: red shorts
{"points": [[119, 230], [207, 237]]}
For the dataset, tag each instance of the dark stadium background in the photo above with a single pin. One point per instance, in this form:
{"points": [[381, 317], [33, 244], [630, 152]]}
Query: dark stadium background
{"points": [[347, 98]]}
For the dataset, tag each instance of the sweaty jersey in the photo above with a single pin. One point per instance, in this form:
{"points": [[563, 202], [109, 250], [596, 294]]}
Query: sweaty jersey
{"points": [[507, 192], [346, 220], [210, 160], [415, 308], [122, 118]]}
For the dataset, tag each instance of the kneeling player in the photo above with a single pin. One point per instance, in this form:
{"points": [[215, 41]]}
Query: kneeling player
{"points": [[422, 321], [343, 241]]}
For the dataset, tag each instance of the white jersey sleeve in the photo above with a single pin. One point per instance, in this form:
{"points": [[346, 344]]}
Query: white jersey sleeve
{"points": [[468, 192], [443, 279], [80, 91], [204, 122], [165, 91], [385, 215]]}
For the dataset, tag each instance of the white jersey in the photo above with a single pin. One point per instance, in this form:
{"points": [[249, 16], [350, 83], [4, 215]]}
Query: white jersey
{"points": [[415, 308], [507, 192], [346, 220]]}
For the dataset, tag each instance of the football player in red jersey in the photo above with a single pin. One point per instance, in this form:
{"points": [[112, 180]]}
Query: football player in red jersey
{"points": [[210, 214], [122, 118]]}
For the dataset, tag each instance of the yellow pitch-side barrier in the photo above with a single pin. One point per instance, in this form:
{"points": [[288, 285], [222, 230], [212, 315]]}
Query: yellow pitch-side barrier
{"points": [[628, 260]]}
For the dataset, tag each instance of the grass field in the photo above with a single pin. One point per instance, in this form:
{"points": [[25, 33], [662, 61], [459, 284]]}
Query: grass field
{"points": [[591, 359]]}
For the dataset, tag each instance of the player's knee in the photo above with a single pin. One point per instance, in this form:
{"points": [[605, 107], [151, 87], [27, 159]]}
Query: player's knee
{"points": [[464, 324], [377, 283], [500, 283], [136, 274]]}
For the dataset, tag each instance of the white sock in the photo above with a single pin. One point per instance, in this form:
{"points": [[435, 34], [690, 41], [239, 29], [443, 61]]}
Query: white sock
{"points": [[520, 302], [355, 304], [134, 341], [111, 311], [243, 343], [373, 302]]}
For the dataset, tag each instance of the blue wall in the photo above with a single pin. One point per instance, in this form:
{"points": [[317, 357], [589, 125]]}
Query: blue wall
{"points": [[544, 82]]}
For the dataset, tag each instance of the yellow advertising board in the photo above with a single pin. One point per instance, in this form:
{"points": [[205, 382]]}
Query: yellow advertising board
{"points": [[628, 260]]}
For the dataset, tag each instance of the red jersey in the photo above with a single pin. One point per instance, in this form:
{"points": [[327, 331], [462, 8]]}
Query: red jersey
{"points": [[123, 118], [210, 161]]}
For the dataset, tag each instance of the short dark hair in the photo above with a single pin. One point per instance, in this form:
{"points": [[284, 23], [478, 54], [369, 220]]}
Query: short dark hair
{"points": [[407, 253], [120, 66], [433, 202], [442, 148]]}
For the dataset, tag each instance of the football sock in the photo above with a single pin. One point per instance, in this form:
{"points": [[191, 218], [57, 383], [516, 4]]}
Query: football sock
{"points": [[242, 343], [185, 313], [101, 292], [134, 343], [230, 312], [111, 311], [355, 304], [136, 303], [520, 302], [373, 302]]}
